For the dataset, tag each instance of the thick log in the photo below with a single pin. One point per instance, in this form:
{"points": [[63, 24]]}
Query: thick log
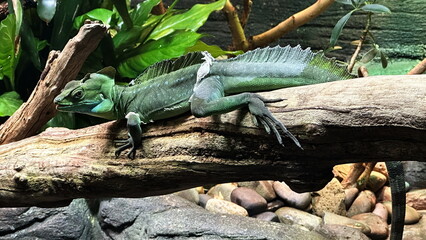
{"points": [[379, 118]]}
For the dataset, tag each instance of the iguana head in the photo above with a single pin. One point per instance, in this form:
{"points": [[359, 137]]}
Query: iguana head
{"points": [[91, 95]]}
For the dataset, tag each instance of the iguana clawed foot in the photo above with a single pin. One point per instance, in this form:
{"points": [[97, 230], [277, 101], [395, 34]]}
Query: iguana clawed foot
{"points": [[135, 136], [129, 143], [261, 114]]}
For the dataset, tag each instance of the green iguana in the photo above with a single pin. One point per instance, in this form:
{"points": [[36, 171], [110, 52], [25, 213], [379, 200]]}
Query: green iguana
{"points": [[198, 83]]}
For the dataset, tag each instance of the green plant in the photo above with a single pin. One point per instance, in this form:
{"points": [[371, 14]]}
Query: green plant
{"points": [[370, 8]]}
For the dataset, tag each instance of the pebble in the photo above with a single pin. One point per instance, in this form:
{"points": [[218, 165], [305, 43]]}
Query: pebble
{"points": [[264, 188], [384, 194], [381, 168], [203, 200], [376, 181], [364, 203], [249, 199], [381, 211], [267, 216], [222, 191], [225, 207], [288, 215], [411, 214], [329, 199], [189, 194], [293, 199], [334, 231], [416, 231], [341, 171], [417, 199], [274, 205], [331, 218], [379, 227], [350, 195]]}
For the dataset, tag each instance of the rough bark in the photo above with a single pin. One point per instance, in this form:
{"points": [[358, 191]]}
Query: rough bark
{"points": [[371, 119], [60, 69]]}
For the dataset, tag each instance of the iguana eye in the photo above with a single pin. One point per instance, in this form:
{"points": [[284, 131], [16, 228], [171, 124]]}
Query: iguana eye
{"points": [[77, 94]]}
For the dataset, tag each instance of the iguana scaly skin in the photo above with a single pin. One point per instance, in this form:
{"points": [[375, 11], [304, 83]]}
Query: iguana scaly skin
{"points": [[198, 83]]}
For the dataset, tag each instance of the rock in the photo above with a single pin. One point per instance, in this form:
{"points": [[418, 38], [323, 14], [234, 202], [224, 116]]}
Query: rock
{"points": [[200, 190], [334, 231], [381, 168], [290, 215], [222, 191], [365, 202], [411, 214], [264, 188], [293, 199], [267, 216], [416, 231], [329, 199], [171, 217], [341, 171], [350, 195], [415, 173], [384, 194], [225, 207], [274, 205], [381, 211], [71, 222], [203, 200], [189, 194], [249, 199], [379, 227], [334, 219], [417, 199], [376, 181]]}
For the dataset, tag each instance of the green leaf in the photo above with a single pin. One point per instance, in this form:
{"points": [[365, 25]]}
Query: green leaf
{"points": [[383, 59], [17, 10], [127, 38], [63, 23], [99, 14], [140, 14], [46, 9], [171, 46], [214, 50], [30, 45], [376, 8], [191, 20], [9, 103], [121, 7], [7, 48], [369, 55], [337, 30]]}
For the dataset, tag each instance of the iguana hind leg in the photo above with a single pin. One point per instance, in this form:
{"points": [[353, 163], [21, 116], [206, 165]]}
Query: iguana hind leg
{"points": [[209, 99]]}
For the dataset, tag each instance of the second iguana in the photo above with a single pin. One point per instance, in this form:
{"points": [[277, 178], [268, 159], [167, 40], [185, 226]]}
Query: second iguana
{"points": [[198, 83]]}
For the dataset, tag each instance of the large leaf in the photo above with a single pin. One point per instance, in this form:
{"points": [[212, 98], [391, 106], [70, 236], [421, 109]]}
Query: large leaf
{"points": [[214, 50], [7, 48], [31, 45], [63, 23], [9, 103], [171, 46], [337, 30], [100, 14], [191, 20], [17, 10], [370, 55], [376, 8], [140, 14]]}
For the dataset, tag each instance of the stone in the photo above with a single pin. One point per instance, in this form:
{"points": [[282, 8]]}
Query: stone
{"points": [[288, 215], [341, 171], [334, 231], [264, 188], [222, 191], [364, 203], [249, 199], [416, 231], [291, 198], [376, 181], [381, 211], [415, 174], [334, 219], [381, 168], [384, 194], [267, 216], [274, 205], [225, 207], [378, 227], [411, 214], [417, 199], [191, 195], [329, 199], [203, 200], [350, 195]]}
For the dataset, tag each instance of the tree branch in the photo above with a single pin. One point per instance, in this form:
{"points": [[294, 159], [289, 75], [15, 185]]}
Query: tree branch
{"points": [[369, 119], [239, 40], [419, 68], [60, 69]]}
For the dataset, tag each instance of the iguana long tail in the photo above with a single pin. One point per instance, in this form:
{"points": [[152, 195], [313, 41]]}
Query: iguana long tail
{"points": [[397, 184]]}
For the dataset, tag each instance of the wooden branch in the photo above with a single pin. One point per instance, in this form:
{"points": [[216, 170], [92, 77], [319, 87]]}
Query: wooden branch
{"points": [[239, 40], [60, 69], [369, 119], [419, 68], [290, 24]]}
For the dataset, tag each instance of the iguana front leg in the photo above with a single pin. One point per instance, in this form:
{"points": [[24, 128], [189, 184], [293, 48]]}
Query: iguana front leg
{"points": [[209, 99], [135, 135]]}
